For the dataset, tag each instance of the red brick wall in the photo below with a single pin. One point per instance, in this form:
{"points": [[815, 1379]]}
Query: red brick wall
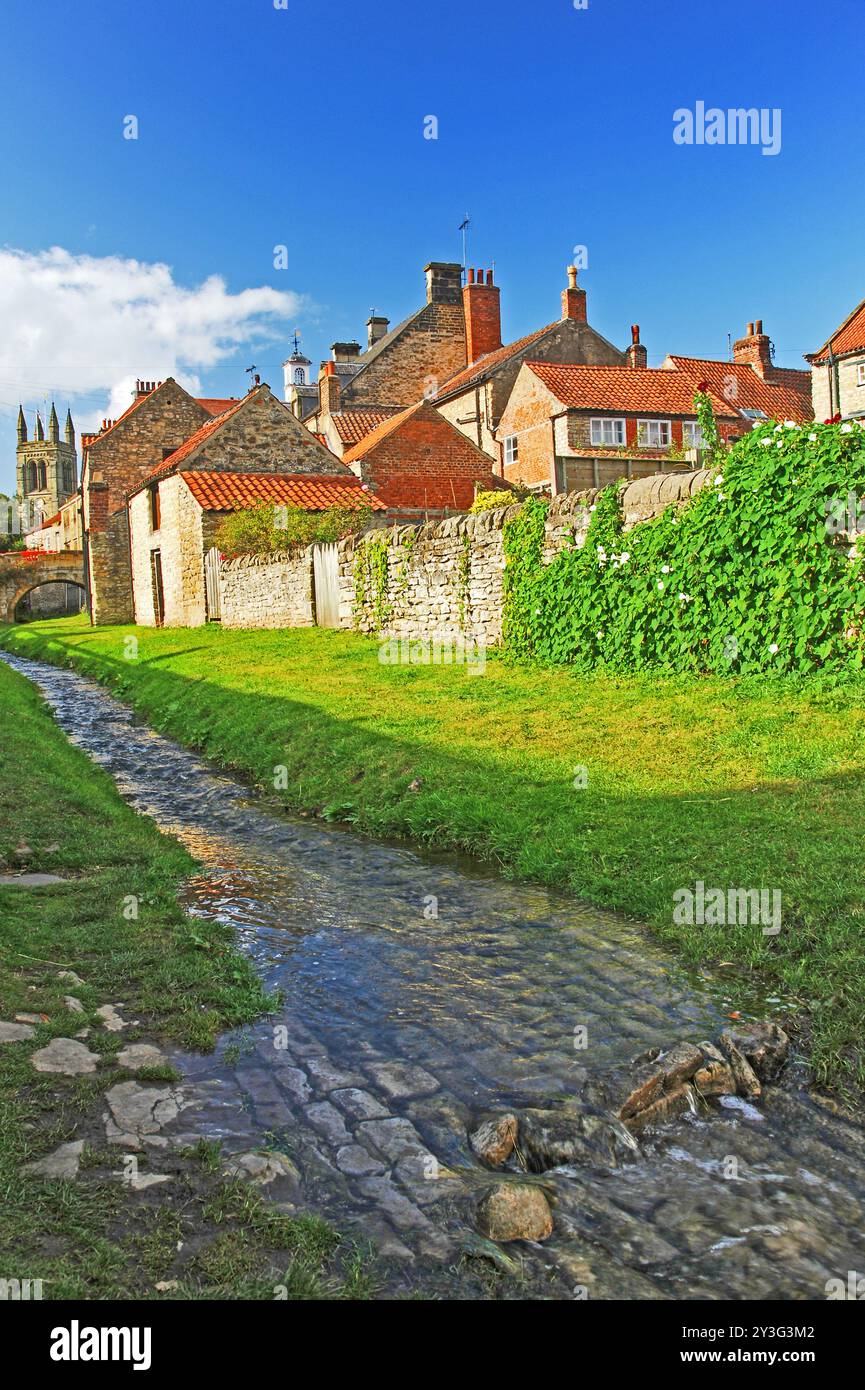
{"points": [[426, 463], [483, 318]]}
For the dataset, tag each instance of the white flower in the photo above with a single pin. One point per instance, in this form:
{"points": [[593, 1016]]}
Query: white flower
{"points": [[773, 647], [599, 634], [790, 425], [722, 496], [686, 598], [852, 552], [779, 443], [593, 508], [665, 569], [765, 439], [719, 480], [847, 429], [777, 428], [661, 585], [624, 557], [812, 437]]}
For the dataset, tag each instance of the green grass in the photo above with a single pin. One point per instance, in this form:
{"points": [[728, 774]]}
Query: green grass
{"points": [[93, 1237], [741, 783]]}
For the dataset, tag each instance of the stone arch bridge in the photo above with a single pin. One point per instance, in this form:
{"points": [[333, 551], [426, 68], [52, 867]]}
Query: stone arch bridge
{"points": [[23, 570]]}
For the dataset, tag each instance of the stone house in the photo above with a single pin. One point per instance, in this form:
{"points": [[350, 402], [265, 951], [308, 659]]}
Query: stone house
{"points": [[62, 531], [116, 459], [399, 366], [838, 370], [566, 427], [475, 397], [420, 465], [255, 451]]}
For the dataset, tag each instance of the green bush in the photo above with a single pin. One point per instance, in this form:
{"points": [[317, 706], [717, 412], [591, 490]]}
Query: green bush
{"points": [[267, 528], [490, 501], [756, 573]]}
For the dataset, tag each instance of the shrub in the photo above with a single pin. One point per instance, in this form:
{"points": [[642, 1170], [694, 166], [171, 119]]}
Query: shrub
{"points": [[490, 501], [758, 572], [266, 529]]}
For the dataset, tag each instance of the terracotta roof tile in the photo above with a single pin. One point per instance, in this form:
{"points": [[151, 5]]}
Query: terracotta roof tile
{"points": [[353, 424], [381, 431], [215, 406], [228, 492], [850, 337], [190, 445], [787, 399], [631, 389], [488, 364]]}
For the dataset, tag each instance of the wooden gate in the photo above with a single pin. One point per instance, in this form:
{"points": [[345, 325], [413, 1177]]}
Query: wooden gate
{"points": [[212, 585], [325, 572]]}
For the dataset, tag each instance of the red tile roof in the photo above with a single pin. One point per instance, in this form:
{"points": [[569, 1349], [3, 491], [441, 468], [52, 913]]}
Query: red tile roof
{"points": [[353, 424], [786, 399], [631, 389], [214, 406], [381, 431], [850, 337], [228, 492], [484, 366]]}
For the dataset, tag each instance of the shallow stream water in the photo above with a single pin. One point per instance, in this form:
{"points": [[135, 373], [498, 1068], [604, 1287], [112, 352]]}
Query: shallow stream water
{"points": [[421, 993]]}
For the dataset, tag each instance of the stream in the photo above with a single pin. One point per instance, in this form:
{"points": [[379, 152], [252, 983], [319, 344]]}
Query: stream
{"points": [[422, 993]]}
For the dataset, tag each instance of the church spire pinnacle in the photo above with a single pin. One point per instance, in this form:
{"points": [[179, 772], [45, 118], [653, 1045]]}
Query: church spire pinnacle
{"points": [[69, 428], [22, 426], [53, 426], [39, 432]]}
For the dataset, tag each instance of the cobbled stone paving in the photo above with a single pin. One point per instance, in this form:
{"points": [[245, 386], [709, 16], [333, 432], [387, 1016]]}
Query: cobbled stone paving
{"points": [[399, 1029]]}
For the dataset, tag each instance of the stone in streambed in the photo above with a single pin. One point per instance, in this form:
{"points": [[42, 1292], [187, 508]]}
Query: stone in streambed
{"points": [[764, 1046], [515, 1211], [493, 1142], [66, 1056]]}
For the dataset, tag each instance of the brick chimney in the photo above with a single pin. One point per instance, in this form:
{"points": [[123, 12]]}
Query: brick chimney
{"points": [[345, 352], [443, 282], [755, 348], [376, 328], [328, 389], [636, 355], [482, 315], [573, 298]]}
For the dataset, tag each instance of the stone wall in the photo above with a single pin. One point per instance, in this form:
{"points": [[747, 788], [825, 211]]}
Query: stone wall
{"points": [[444, 579], [268, 591]]}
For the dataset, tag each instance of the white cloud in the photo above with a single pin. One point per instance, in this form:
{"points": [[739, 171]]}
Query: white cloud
{"points": [[81, 328]]}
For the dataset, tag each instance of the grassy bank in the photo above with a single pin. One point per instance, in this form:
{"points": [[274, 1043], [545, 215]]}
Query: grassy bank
{"points": [[92, 1237], [738, 783]]}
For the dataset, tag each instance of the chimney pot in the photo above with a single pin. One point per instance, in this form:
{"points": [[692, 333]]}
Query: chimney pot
{"points": [[471, 275], [482, 313], [758, 326], [635, 332], [489, 277], [572, 277], [749, 331], [573, 298]]}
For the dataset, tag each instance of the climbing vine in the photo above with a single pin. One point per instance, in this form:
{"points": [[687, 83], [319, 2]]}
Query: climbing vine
{"points": [[761, 571], [464, 569], [371, 581]]}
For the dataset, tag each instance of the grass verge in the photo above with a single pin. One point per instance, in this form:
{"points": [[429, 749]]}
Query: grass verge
{"points": [[93, 1237], [751, 783]]}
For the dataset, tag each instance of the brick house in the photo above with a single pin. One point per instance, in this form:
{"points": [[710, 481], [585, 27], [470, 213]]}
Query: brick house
{"points": [[255, 450], [838, 370], [400, 365], [475, 397], [419, 464], [570, 427], [117, 459]]}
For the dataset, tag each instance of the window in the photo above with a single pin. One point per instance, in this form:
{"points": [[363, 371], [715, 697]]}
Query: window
{"points": [[860, 373], [692, 435], [155, 516], [653, 434], [298, 376], [608, 433], [512, 449]]}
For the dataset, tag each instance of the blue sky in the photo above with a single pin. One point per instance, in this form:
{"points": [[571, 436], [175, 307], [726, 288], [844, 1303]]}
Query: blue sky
{"points": [[303, 126]]}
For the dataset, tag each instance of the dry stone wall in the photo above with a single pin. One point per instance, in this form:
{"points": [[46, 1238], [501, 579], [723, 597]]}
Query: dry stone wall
{"points": [[442, 581], [268, 591]]}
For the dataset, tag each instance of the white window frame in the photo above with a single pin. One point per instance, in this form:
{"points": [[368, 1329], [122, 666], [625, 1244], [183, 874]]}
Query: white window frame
{"points": [[692, 435], [598, 427], [511, 448], [860, 373], [644, 427]]}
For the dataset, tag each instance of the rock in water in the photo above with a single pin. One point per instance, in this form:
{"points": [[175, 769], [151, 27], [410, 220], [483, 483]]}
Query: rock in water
{"points": [[764, 1045], [493, 1142], [558, 1138], [515, 1211]]}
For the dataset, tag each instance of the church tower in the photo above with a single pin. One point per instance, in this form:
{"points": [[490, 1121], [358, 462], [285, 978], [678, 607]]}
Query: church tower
{"points": [[47, 467]]}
